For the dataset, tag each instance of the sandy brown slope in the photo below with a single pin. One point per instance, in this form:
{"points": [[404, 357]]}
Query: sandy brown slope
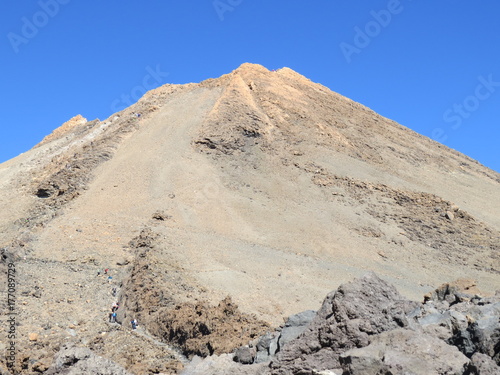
{"points": [[271, 189]]}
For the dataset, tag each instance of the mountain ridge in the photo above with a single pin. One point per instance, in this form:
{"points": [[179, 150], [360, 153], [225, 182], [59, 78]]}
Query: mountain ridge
{"points": [[255, 184]]}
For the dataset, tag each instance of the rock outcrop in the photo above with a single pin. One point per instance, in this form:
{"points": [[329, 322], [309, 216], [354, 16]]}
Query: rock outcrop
{"points": [[78, 360], [200, 329], [366, 327], [69, 125], [401, 350], [269, 344], [347, 319]]}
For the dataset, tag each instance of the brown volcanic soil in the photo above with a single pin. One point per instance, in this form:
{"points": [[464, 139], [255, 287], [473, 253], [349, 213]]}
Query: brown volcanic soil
{"points": [[262, 186]]}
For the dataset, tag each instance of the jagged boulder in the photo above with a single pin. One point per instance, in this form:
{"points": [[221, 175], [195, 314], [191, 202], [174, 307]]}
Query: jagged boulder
{"points": [[245, 355], [272, 342], [367, 328], [77, 361], [401, 352], [346, 320], [294, 326], [456, 312], [439, 322], [267, 346], [481, 364], [482, 335], [457, 291]]}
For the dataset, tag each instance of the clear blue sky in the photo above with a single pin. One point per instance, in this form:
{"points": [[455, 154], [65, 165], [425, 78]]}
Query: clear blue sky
{"points": [[433, 66]]}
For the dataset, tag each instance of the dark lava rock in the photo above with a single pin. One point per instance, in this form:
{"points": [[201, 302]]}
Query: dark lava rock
{"points": [[401, 352], [481, 364], [346, 320], [77, 361], [244, 355]]}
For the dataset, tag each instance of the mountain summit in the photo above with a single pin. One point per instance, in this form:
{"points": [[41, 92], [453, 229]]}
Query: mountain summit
{"points": [[259, 189]]}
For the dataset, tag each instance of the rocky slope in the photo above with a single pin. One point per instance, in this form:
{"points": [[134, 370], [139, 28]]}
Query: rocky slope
{"points": [[220, 208]]}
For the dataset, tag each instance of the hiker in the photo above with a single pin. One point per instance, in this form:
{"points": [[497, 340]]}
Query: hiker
{"points": [[113, 292], [114, 307], [113, 316], [134, 323], [106, 271], [110, 279], [98, 272]]}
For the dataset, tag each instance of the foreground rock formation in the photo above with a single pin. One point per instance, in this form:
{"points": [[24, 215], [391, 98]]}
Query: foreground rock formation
{"points": [[366, 327]]}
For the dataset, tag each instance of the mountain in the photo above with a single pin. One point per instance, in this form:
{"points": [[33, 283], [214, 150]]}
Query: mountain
{"points": [[244, 199]]}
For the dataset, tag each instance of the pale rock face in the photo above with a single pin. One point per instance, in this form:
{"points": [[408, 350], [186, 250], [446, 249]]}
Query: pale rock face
{"points": [[74, 121], [64, 128]]}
